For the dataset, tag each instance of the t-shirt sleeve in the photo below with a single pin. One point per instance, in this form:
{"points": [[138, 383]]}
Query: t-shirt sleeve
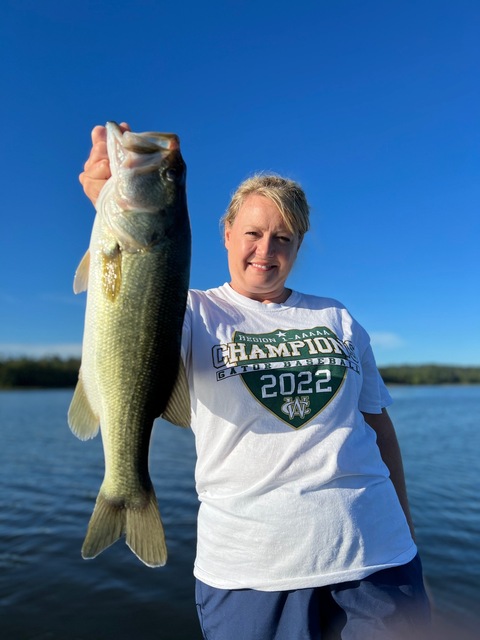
{"points": [[374, 395]]}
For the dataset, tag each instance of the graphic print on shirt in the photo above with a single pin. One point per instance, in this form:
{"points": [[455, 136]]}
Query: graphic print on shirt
{"points": [[292, 373]]}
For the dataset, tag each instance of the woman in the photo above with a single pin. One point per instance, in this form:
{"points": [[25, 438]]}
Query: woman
{"points": [[304, 529]]}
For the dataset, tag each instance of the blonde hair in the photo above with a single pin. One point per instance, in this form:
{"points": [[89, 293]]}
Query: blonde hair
{"points": [[286, 194]]}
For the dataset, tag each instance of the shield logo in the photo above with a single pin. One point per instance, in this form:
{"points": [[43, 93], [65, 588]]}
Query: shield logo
{"points": [[294, 374]]}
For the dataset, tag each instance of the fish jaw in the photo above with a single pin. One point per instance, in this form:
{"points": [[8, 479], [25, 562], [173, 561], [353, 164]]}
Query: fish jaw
{"points": [[148, 181], [138, 152]]}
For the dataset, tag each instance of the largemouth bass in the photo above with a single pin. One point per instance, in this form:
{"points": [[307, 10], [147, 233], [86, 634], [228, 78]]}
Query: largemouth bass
{"points": [[136, 271]]}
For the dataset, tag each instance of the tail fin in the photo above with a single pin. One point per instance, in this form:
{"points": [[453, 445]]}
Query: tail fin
{"points": [[145, 535], [143, 528]]}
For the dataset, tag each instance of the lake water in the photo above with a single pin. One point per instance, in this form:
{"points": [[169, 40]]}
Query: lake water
{"points": [[49, 481]]}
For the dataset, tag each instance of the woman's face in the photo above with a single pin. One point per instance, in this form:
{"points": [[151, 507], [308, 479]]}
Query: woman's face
{"points": [[261, 250]]}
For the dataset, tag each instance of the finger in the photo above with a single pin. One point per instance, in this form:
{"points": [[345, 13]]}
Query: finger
{"points": [[99, 169], [99, 134], [99, 146], [98, 153], [91, 187]]}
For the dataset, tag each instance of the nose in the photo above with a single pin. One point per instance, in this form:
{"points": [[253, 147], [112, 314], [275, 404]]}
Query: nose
{"points": [[265, 247]]}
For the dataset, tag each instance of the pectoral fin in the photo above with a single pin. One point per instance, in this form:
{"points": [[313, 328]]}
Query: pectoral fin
{"points": [[81, 419], [178, 408], [80, 282]]}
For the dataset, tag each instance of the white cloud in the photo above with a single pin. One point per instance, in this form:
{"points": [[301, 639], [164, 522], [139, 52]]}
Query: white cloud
{"points": [[66, 350], [386, 340]]}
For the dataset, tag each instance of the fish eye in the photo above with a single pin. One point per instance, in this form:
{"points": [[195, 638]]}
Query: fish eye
{"points": [[174, 172], [171, 174]]}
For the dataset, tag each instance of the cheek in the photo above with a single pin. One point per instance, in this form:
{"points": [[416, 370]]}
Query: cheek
{"points": [[288, 255], [238, 250], [243, 247]]}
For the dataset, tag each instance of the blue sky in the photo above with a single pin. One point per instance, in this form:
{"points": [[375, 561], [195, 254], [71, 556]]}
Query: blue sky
{"points": [[372, 105]]}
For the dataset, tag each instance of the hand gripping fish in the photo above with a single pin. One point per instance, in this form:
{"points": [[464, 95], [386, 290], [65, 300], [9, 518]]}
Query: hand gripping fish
{"points": [[137, 271]]}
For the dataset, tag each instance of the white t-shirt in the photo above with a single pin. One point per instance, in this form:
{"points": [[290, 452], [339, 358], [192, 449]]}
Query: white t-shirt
{"points": [[293, 490]]}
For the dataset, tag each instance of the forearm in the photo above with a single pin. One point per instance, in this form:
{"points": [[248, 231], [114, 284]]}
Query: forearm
{"points": [[391, 455]]}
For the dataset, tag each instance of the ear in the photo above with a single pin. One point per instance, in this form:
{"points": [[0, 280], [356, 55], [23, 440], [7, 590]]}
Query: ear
{"points": [[226, 235]]}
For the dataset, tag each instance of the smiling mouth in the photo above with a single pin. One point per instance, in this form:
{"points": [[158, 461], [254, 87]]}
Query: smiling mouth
{"points": [[262, 267]]}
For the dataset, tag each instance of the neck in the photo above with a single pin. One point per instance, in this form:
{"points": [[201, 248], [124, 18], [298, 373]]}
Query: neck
{"points": [[276, 297]]}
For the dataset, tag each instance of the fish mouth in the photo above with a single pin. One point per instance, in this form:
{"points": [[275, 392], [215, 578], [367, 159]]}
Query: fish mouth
{"points": [[141, 151]]}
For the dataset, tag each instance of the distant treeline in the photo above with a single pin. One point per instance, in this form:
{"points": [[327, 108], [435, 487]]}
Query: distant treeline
{"points": [[430, 374], [54, 372], [44, 373]]}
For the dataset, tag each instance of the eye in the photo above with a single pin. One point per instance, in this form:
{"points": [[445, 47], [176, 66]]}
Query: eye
{"points": [[171, 174]]}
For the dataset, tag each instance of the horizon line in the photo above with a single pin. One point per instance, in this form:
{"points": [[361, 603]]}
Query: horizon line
{"points": [[74, 350]]}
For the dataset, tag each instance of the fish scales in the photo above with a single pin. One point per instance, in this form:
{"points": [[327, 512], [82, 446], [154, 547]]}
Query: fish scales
{"points": [[131, 372]]}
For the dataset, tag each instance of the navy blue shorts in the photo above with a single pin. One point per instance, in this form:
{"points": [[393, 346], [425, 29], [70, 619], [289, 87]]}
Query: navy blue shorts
{"points": [[388, 605]]}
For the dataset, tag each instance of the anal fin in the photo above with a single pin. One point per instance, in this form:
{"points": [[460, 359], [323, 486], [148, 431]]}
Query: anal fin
{"points": [[81, 419]]}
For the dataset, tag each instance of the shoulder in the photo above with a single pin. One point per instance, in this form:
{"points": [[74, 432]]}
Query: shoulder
{"points": [[317, 302], [334, 310], [208, 301], [198, 296]]}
